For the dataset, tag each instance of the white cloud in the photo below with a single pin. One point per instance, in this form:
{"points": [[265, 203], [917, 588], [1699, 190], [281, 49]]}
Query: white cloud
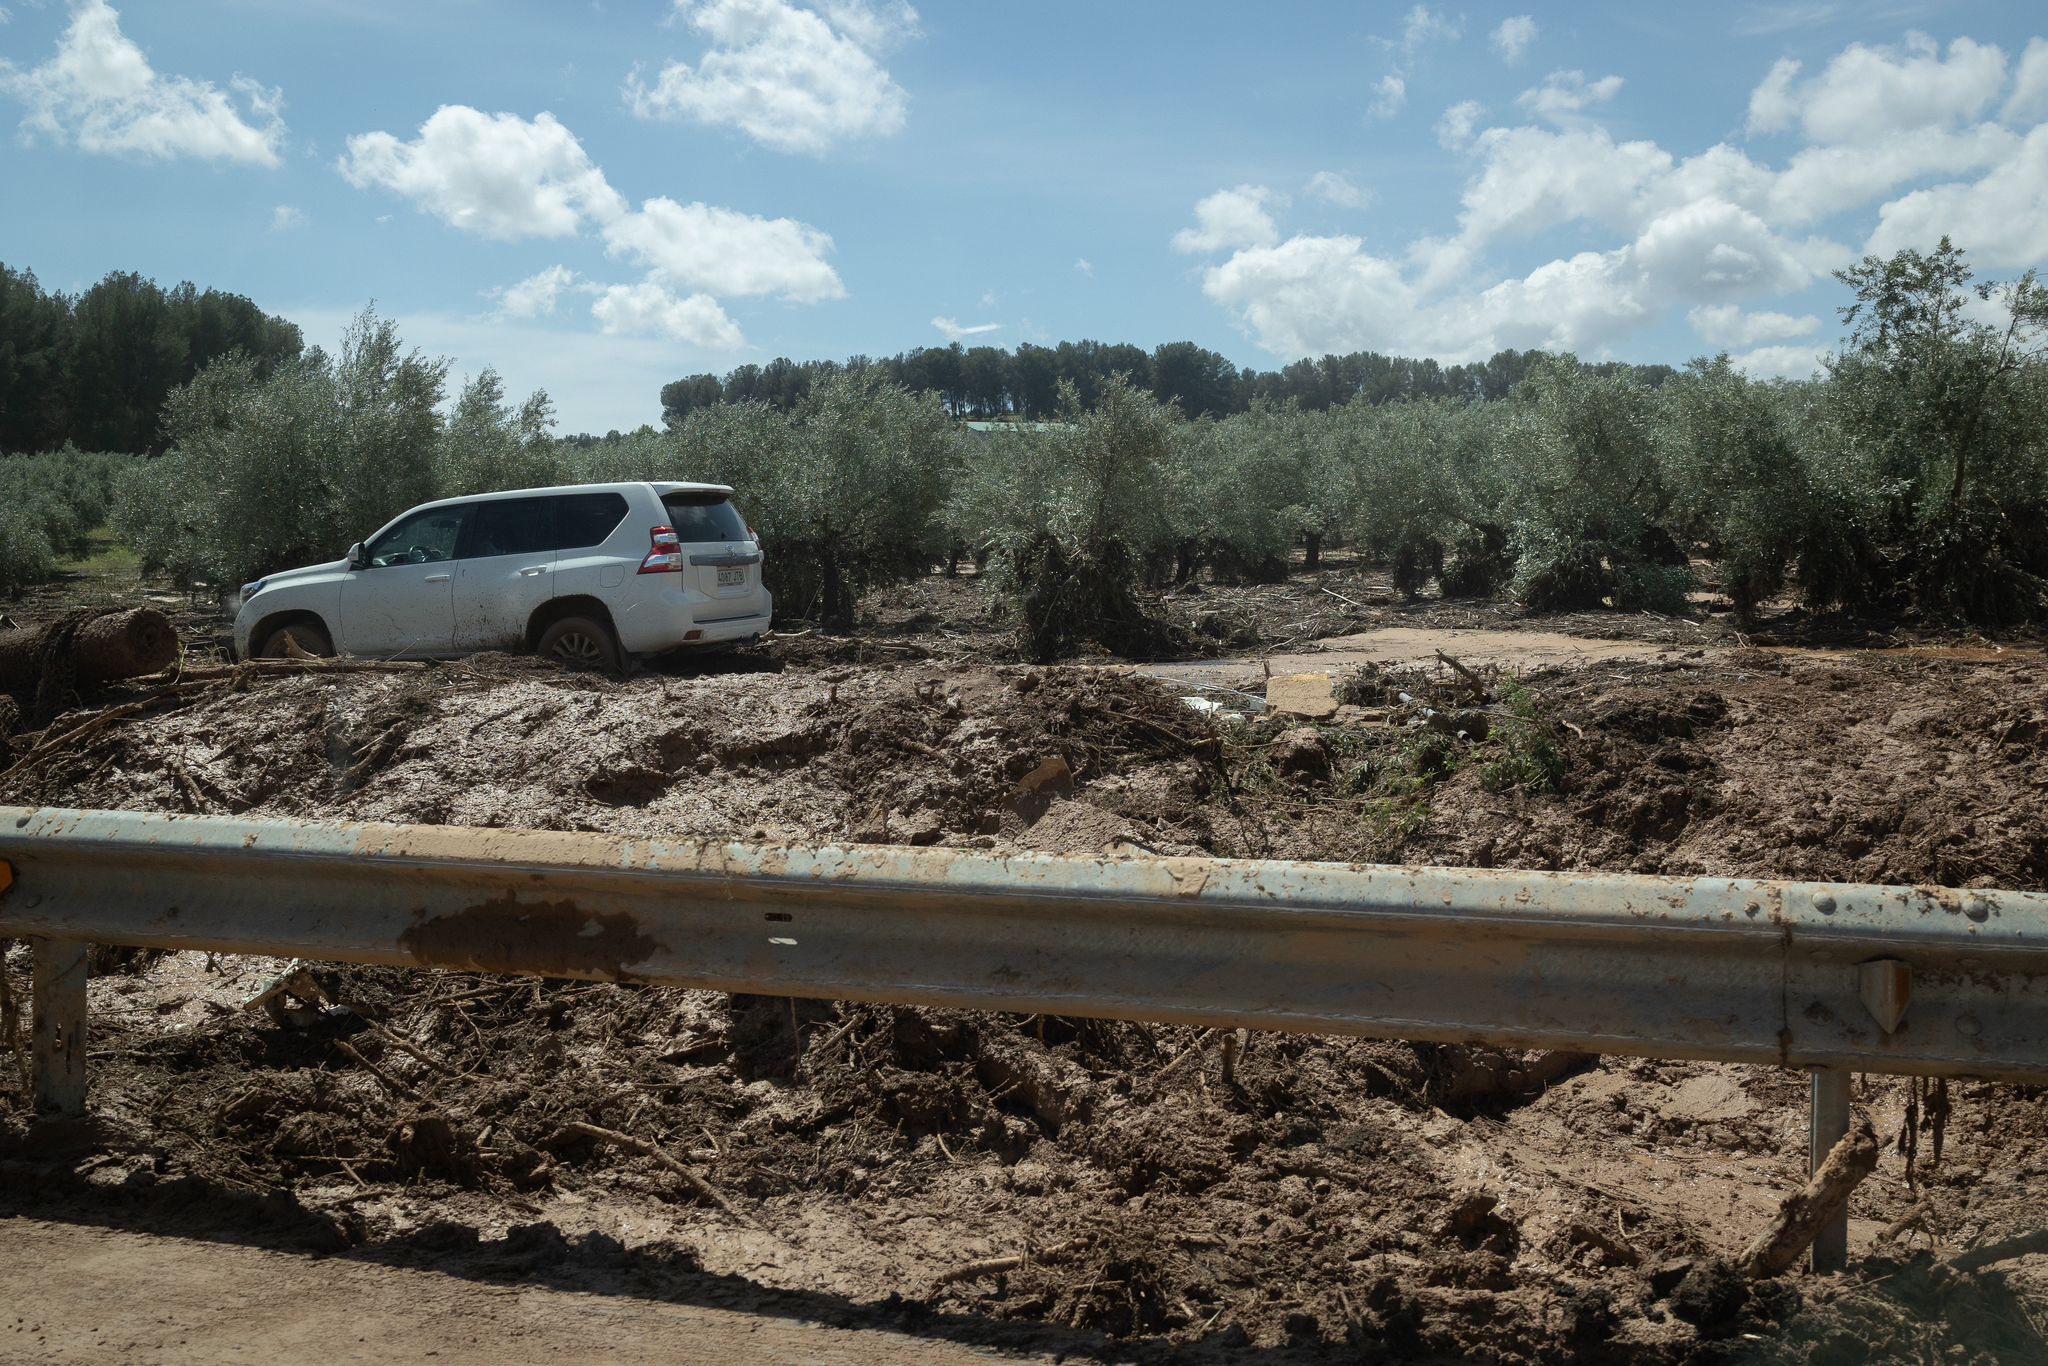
{"points": [[1454, 129], [1727, 326], [953, 331], [1231, 218], [535, 296], [1335, 188], [1867, 94], [496, 175], [1564, 95], [1310, 295], [793, 77], [649, 310], [1513, 37], [1388, 96], [1773, 105], [2000, 219], [1711, 249], [1424, 25], [1820, 181], [2029, 84], [285, 217], [100, 92], [1781, 362], [504, 177], [726, 253], [1085, 266], [1532, 178]]}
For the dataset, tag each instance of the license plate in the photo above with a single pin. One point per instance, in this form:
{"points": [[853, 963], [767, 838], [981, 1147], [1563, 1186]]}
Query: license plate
{"points": [[731, 578]]}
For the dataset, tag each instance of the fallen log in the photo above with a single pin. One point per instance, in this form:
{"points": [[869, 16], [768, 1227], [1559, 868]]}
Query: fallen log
{"points": [[1805, 1213], [107, 647]]}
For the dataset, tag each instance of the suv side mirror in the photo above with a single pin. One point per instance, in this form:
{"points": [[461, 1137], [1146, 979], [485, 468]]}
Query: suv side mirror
{"points": [[356, 558]]}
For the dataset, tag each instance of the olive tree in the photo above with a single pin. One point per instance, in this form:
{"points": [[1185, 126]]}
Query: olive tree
{"points": [[489, 445], [1237, 491], [1934, 414], [1589, 500], [1072, 518], [845, 490], [269, 472]]}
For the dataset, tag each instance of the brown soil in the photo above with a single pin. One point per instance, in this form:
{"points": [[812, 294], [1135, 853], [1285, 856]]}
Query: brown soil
{"points": [[1333, 1198]]}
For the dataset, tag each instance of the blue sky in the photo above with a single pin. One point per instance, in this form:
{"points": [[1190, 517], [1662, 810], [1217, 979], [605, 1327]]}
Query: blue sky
{"points": [[595, 198]]}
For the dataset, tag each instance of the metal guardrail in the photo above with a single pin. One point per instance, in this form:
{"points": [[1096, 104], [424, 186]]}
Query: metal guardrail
{"points": [[1830, 977], [1876, 979]]}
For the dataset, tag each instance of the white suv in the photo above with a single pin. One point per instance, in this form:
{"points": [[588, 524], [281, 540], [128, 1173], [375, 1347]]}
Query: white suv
{"points": [[587, 574]]}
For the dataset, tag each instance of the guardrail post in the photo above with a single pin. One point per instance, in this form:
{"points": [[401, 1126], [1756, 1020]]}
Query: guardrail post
{"points": [[57, 1033], [1828, 1121]]}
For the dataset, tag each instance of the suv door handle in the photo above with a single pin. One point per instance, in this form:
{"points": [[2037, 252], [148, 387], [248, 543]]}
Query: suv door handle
{"points": [[536, 569], [437, 578]]}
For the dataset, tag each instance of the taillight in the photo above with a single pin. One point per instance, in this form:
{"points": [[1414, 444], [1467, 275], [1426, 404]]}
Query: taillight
{"points": [[666, 557]]}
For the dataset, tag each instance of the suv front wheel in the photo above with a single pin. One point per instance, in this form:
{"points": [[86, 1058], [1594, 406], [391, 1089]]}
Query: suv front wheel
{"points": [[580, 643], [296, 640]]}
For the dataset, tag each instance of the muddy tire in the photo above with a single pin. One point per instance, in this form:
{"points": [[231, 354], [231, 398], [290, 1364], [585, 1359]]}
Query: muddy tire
{"points": [[580, 643], [310, 636]]}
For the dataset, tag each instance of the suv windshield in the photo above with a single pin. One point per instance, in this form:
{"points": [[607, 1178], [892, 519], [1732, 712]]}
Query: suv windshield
{"points": [[699, 517]]}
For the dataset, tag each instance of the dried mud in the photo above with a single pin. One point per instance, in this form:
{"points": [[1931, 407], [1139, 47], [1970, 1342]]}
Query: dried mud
{"points": [[1326, 1199]]}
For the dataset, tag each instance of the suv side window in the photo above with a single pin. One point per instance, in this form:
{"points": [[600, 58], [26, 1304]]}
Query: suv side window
{"points": [[510, 526], [423, 538], [587, 519]]}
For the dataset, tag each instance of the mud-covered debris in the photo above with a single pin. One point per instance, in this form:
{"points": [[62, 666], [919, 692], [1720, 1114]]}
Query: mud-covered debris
{"points": [[1301, 754], [1304, 695]]}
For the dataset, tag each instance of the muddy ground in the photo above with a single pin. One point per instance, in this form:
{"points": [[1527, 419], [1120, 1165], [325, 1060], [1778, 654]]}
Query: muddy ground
{"points": [[1328, 1199]]}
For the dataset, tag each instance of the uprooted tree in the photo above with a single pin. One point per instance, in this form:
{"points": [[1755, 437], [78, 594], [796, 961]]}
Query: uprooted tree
{"points": [[1068, 521]]}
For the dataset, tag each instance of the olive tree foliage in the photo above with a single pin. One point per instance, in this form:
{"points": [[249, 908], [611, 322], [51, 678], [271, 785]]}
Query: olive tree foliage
{"points": [[640, 454], [26, 556], [845, 489], [490, 445], [49, 507], [1590, 503], [269, 472], [1424, 491], [1752, 488], [1070, 519], [1933, 422], [1238, 492]]}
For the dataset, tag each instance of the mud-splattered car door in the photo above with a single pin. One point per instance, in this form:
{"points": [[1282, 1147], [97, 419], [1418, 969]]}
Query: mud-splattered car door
{"points": [[397, 602], [506, 572]]}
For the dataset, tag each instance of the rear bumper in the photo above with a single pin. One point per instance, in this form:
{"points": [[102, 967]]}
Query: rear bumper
{"points": [[731, 628]]}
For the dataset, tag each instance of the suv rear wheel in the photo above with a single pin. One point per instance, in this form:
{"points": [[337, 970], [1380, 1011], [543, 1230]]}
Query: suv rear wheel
{"points": [[580, 643]]}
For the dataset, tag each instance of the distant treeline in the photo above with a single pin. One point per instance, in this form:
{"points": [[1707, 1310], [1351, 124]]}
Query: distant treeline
{"points": [[991, 383], [93, 370]]}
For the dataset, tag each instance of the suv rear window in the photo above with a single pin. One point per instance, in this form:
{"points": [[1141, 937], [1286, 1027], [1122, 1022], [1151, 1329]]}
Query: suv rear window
{"points": [[699, 517], [587, 519]]}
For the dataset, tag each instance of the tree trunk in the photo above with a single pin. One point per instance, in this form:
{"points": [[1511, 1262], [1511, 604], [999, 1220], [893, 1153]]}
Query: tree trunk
{"points": [[115, 645], [1802, 1216], [838, 608], [1312, 550], [1183, 563]]}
